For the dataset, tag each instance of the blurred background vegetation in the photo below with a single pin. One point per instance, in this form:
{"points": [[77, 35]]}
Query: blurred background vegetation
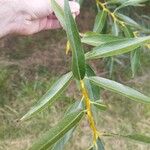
{"points": [[28, 67]]}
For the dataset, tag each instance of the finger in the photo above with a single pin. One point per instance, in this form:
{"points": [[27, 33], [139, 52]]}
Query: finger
{"points": [[45, 24], [52, 16], [52, 24], [75, 7], [31, 27]]}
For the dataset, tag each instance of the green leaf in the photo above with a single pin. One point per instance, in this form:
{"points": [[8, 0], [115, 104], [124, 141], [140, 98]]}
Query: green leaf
{"points": [[61, 143], [131, 3], [135, 61], [134, 55], [100, 21], [134, 136], [78, 105], [117, 47], [127, 31], [50, 97], [120, 89], [128, 20], [110, 65], [91, 148], [57, 132], [78, 58], [93, 90], [100, 145], [115, 29], [117, 1], [128, 2], [95, 39], [99, 105], [139, 138], [59, 12]]}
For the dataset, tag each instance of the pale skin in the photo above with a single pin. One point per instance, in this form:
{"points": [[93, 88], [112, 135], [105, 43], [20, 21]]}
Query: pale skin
{"points": [[26, 17]]}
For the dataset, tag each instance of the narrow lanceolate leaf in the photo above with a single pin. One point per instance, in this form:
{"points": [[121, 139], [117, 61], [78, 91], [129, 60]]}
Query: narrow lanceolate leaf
{"points": [[78, 58], [100, 145], [57, 88], [57, 132], [95, 39], [139, 138], [100, 21], [120, 89], [132, 3], [117, 1], [135, 61], [78, 105], [93, 90], [61, 143], [117, 47], [134, 136], [59, 12], [115, 29], [127, 31], [91, 148], [111, 65], [99, 105], [128, 20], [134, 55]]}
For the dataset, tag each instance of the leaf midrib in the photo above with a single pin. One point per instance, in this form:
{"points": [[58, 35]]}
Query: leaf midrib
{"points": [[64, 129], [121, 93]]}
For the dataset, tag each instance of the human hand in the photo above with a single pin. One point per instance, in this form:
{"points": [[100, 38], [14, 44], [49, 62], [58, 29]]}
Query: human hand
{"points": [[26, 17]]}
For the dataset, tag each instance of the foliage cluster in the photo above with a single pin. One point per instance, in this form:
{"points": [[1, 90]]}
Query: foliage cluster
{"points": [[122, 35]]}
